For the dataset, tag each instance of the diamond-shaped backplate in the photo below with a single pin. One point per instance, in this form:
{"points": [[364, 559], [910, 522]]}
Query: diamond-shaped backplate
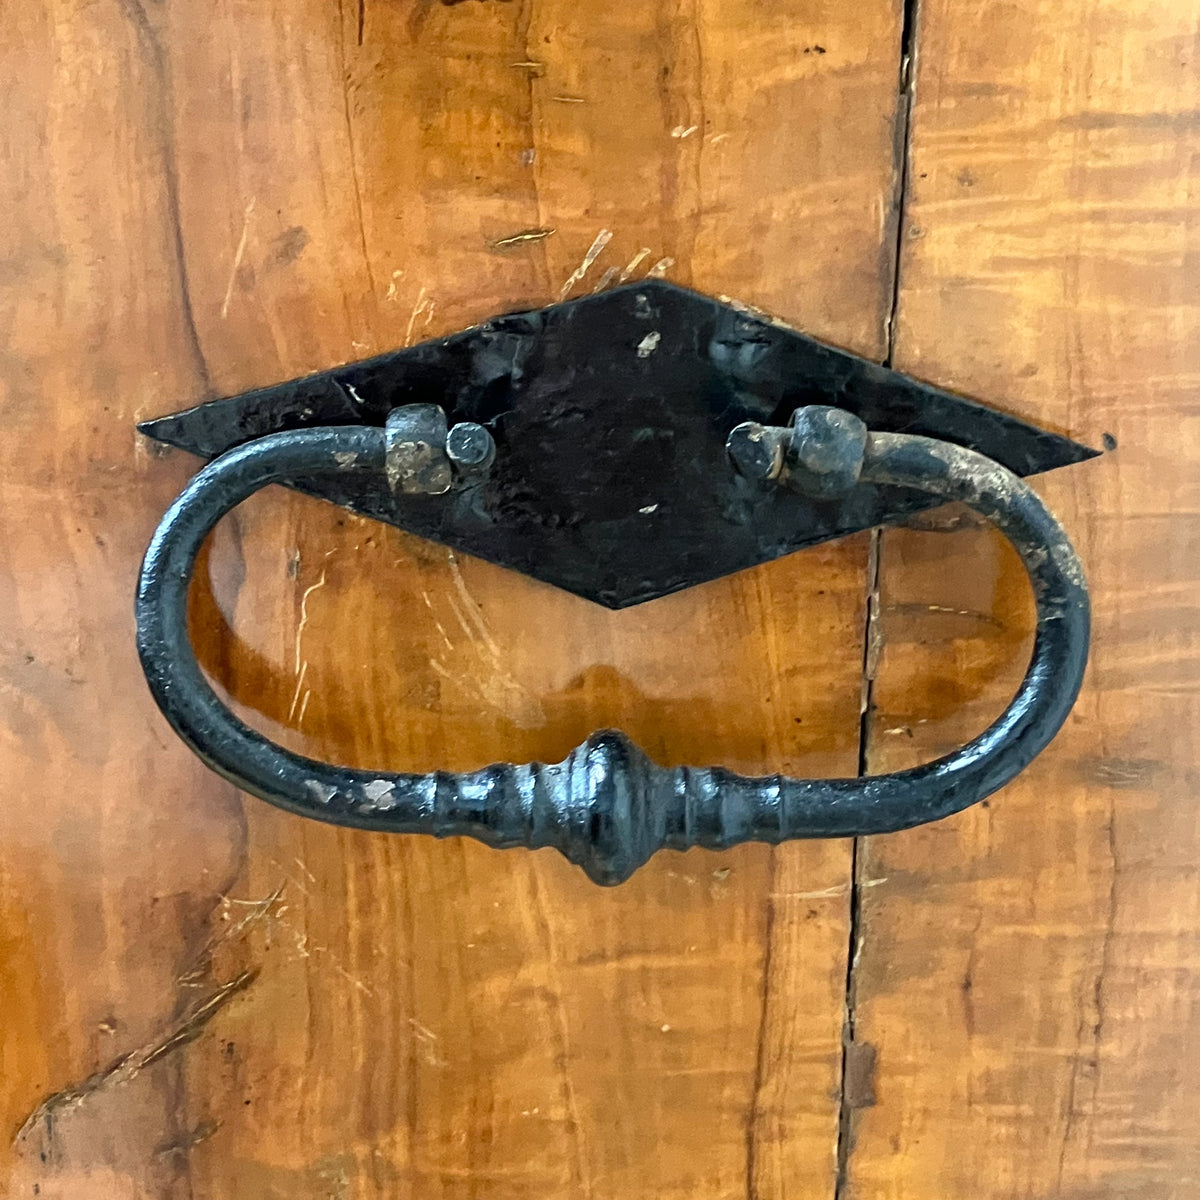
{"points": [[610, 415]]}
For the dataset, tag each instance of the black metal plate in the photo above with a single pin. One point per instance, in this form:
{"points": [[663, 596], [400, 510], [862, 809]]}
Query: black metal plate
{"points": [[610, 415]]}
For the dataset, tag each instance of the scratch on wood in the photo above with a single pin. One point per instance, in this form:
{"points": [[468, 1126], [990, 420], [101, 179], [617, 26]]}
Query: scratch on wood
{"points": [[440, 627], [429, 1044], [296, 695], [838, 889], [606, 280], [1120, 772], [305, 949], [520, 238], [594, 251], [471, 610], [303, 623], [194, 1137], [238, 255], [943, 610], [501, 690], [256, 911], [290, 878], [356, 982], [301, 664], [129, 1066], [569, 99], [660, 268], [635, 262], [423, 304], [304, 867]]}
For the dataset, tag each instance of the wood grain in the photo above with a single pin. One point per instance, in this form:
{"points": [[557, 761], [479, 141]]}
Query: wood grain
{"points": [[1028, 971], [204, 998]]}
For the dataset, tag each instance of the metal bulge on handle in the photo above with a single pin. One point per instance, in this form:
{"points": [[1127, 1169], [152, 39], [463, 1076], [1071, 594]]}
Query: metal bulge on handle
{"points": [[622, 446]]}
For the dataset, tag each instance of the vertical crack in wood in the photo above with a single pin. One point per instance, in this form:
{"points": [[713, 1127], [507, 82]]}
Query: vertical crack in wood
{"points": [[160, 101], [849, 1099], [533, 70], [346, 72], [900, 167], [760, 1056]]}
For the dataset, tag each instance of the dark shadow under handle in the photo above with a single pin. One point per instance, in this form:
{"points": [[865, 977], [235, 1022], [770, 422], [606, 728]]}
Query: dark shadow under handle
{"points": [[607, 807]]}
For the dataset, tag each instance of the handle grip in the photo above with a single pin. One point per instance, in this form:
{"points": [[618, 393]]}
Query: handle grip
{"points": [[607, 807]]}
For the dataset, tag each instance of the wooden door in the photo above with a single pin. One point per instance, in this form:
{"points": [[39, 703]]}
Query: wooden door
{"points": [[203, 997]]}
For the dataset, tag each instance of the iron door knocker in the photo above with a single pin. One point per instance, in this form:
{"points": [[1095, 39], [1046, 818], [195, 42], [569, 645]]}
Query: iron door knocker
{"points": [[621, 446]]}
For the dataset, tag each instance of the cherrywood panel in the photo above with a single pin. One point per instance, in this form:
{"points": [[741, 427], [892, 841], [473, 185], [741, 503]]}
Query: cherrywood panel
{"points": [[205, 998], [1028, 972]]}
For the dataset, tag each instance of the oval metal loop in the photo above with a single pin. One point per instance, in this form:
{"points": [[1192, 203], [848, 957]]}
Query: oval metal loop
{"points": [[607, 807]]}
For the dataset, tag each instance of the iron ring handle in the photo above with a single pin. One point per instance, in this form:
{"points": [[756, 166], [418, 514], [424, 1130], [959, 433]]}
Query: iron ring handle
{"points": [[607, 807]]}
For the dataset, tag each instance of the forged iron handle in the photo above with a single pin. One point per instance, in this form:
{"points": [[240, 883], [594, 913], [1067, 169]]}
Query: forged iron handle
{"points": [[607, 807]]}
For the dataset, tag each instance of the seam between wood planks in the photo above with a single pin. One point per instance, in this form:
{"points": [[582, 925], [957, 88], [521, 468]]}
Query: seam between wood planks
{"points": [[857, 1058]]}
